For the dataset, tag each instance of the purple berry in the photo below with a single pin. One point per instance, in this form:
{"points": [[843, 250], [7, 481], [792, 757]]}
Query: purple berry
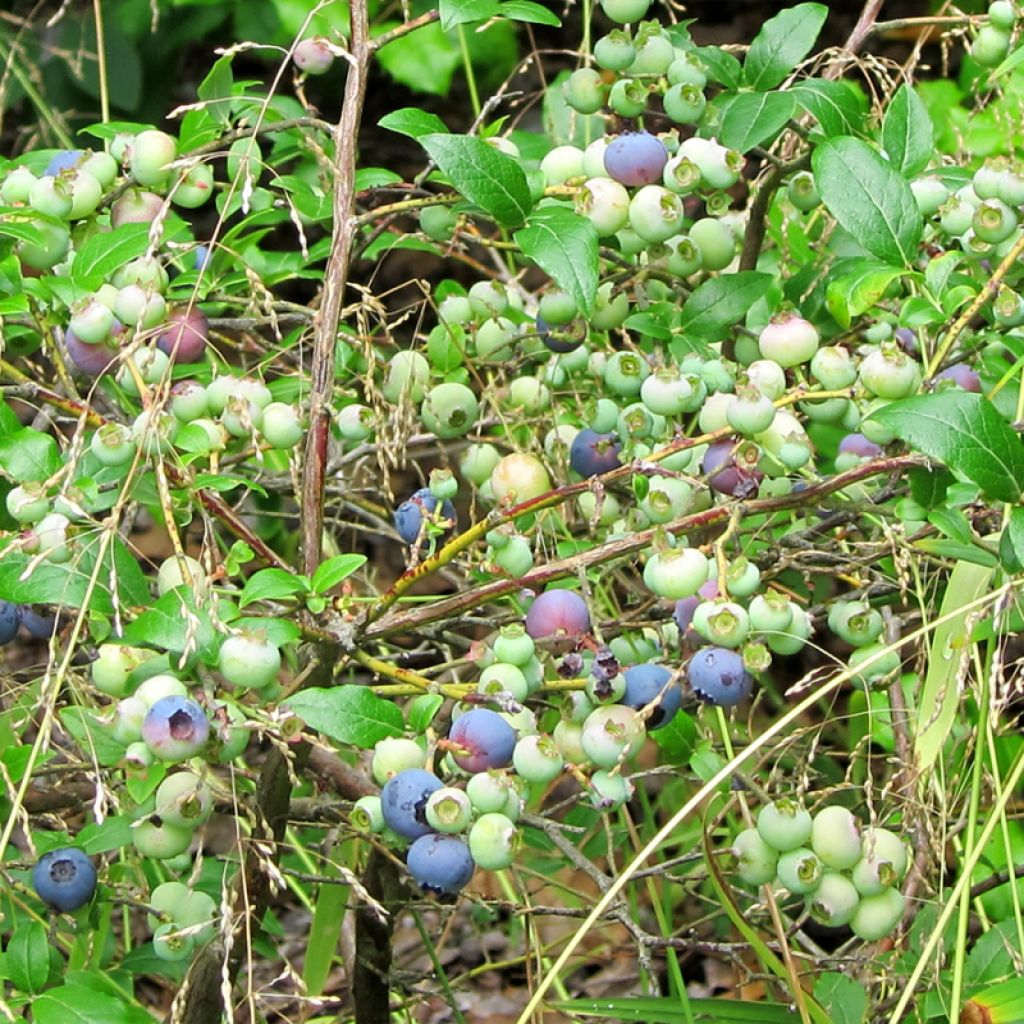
{"points": [[859, 445], [64, 878], [440, 864], [727, 475], [558, 612], [592, 453], [646, 683], [92, 360], [719, 676], [410, 514], [635, 158], [685, 607], [175, 728], [136, 206], [403, 801], [485, 741], [185, 337], [962, 376]]}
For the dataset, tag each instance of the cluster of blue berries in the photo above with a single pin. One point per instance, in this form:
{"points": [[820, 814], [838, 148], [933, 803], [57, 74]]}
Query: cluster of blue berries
{"points": [[463, 814], [36, 624], [848, 876]]}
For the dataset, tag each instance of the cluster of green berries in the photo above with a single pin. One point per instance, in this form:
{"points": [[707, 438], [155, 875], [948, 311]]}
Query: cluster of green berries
{"points": [[992, 43], [848, 876]]}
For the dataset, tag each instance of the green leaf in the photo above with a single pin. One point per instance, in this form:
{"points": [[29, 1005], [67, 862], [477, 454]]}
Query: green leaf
{"points": [[1011, 543], [69, 584], [868, 198], [964, 431], [487, 177], [330, 573], [461, 12], [956, 551], [413, 122], [948, 651], [526, 10], [272, 585], [907, 132], [278, 631], [721, 302], [667, 1010], [721, 66], [29, 455], [77, 1004], [374, 177], [856, 291], [564, 245], [424, 60], [755, 117], [222, 483], [649, 323], [939, 270], [177, 625], [782, 43], [675, 740], [422, 711], [844, 997], [217, 91], [953, 523], [928, 485], [103, 253], [834, 105], [92, 736], [992, 957], [21, 230], [114, 833], [28, 957], [348, 714]]}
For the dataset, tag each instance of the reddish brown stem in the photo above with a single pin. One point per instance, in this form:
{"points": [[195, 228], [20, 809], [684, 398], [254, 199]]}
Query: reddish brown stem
{"points": [[346, 137], [462, 602]]}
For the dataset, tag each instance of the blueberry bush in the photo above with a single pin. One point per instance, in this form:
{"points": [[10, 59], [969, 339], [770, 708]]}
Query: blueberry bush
{"points": [[492, 491]]}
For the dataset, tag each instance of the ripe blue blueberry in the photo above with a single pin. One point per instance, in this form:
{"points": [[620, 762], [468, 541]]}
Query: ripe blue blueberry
{"points": [[485, 740], [63, 160], [440, 864], [10, 618], [647, 683], [592, 453], [410, 514], [175, 728], [559, 339], [719, 676], [558, 613], [403, 801], [635, 158], [64, 878]]}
